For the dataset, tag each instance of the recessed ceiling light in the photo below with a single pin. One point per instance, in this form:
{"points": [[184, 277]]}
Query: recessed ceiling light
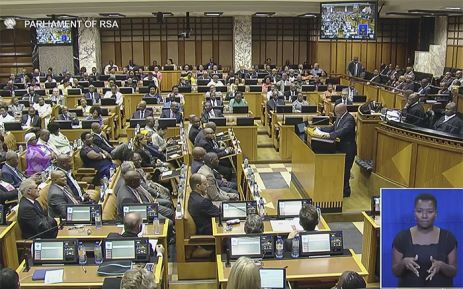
{"points": [[213, 13], [308, 15], [453, 8], [264, 14], [61, 16]]}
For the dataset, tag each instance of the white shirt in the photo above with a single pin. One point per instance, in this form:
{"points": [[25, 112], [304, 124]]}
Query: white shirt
{"points": [[7, 118], [119, 96], [446, 118], [156, 82], [108, 67], [49, 145], [60, 142], [218, 83], [43, 110]]}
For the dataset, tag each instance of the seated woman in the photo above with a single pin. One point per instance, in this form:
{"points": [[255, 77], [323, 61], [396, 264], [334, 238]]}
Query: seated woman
{"points": [[95, 114], [94, 157], [140, 146], [59, 140], [84, 107], [237, 101], [38, 157]]}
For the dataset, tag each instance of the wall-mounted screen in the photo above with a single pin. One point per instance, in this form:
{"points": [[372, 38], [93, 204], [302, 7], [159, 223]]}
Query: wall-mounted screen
{"points": [[53, 35], [348, 20]]}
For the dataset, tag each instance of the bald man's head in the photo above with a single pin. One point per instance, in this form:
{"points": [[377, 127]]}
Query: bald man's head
{"points": [[450, 108], [340, 109], [198, 153], [211, 125], [132, 179], [96, 128], [58, 177], [208, 133], [133, 223], [64, 161], [195, 121], [11, 158]]}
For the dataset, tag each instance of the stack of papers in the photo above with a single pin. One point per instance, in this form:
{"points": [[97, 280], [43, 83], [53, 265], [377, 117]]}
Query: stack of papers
{"points": [[286, 225], [54, 276]]}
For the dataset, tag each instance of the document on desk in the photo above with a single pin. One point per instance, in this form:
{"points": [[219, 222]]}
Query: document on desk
{"points": [[285, 225], [54, 276]]}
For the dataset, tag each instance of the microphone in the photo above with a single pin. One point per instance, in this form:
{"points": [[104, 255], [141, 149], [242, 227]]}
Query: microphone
{"points": [[227, 252], [318, 121]]}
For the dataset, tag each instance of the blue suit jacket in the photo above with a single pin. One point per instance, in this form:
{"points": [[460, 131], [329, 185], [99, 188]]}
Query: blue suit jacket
{"points": [[9, 176]]}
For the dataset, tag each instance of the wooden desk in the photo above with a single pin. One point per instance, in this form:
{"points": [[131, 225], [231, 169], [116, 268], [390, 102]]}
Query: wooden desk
{"points": [[169, 79], [416, 160], [318, 176], [370, 245], [193, 104], [366, 129], [247, 135], [75, 277], [371, 92], [90, 233], [8, 250], [171, 132], [387, 98], [308, 270]]}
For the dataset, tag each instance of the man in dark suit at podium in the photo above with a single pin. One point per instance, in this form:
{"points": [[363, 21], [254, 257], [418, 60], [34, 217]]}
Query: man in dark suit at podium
{"points": [[344, 129], [449, 122]]}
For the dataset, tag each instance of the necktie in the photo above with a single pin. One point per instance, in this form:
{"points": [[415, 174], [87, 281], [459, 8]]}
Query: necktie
{"points": [[137, 195], [75, 184], [147, 195], [70, 196], [356, 69], [142, 114]]}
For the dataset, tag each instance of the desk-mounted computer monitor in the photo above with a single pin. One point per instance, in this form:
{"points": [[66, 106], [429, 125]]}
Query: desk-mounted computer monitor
{"points": [[146, 211], [238, 210], [272, 278], [291, 208], [82, 214], [133, 249], [249, 246], [52, 251], [321, 243]]}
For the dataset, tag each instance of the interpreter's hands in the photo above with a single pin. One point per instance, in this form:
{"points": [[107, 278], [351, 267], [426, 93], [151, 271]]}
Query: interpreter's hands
{"points": [[293, 232], [107, 155], [410, 264], [435, 268], [160, 249]]}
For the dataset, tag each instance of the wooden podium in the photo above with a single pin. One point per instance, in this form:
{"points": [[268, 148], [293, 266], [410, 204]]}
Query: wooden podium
{"points": [[318, 176]]}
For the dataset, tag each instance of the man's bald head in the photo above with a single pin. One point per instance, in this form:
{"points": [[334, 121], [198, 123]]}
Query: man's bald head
{"points": [[450, 108], [150, 121], [211, 125], [64, 161], [198, 153], [208, 133], [340, 109], [58, 177], [414, 97], [132, 179], [132, 222], [96, 128], [11, 158]]}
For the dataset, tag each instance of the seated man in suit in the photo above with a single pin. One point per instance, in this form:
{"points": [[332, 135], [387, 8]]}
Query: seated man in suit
{"points": [[60, 195], [214, 192], [450, 122], [414, 111], [93, 95], [64, 164], [99, 139], [173, 112], [197, 154], [344, 129], [209, 112], [142, 112], [200, 136], [375, 78], [10, 172], [31, 119], [31, 217], [115, 94], [345, 99], [291, 94], [195, 128], [132, 192], [175, 94], [425, 87], [66, 115], [215, 99], [409, 84], [210, 145], [31, 96], [299, 102], [274, 100], [200, 207], [213, 92]]}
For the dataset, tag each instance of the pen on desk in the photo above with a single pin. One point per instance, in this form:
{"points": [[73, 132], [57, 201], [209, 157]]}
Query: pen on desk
{"points": [[83, 269]]}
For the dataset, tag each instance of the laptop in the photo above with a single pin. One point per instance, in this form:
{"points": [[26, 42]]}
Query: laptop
{"points": [[290, 208], [167, 122], [293, 120], [238, 210], [54, 251], [15, 125], [74, 91], [284, 109], [240, 109], [146, 211], [131, 249], [82, 214], [87, 124], [316, 243], [134, 122], [108, 101], [308, 109], [244, 121], [219, 121], [63, 124], [249, 246]]}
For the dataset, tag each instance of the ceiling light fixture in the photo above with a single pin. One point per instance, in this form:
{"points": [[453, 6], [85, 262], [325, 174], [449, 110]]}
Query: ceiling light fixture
{"points": [[213, 14], [264, 14], [112, 15]]}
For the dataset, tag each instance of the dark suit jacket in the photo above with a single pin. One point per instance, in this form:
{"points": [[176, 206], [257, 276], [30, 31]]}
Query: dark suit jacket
{"points": [[425, 90], [453, 125], [196, 165], [345, 131], [202, 209], [408, 86], [98, 141], [96, 96], [351, 69], [33, 220], [34, 123], [272, 104], [217, 102], [137, 114], [166, 114], [290, 97], [208, 145], [205, 115], [57, 201], [415, 114], [199, 137], [338, 101], [193, 133], [9, 176], [35, 97]]}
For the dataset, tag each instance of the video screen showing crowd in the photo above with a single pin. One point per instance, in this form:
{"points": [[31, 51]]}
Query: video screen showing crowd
{"points": [[348, 20]]}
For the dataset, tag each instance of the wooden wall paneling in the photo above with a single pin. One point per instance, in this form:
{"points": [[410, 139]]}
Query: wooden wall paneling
{"points": [[118, 53], [449, 56], [138, 53], [146, 52], [181, 51], [287, 51], [226, 53], [126, 49], [271, 47], [206, 50], [386, 53], [371, 55], [172, 50], [155, 51], [324, 55], [356, 49], [190, 52], [107, 52], [401, 55], [199, 52], [459, 58], [341, 57]]}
